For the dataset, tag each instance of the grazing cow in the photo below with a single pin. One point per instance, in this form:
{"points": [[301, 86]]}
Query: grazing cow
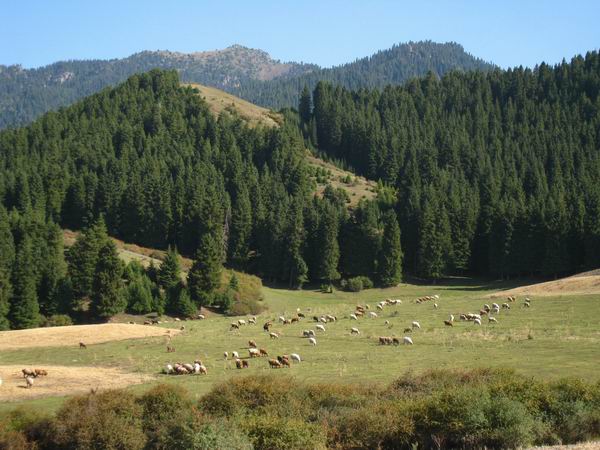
{"points": [[295, 357], [267, 325], [82, 345], [273, 335], [354, 331], [263, 352], [407, 340], [448, 323], [275, 364], [416, 325], [312, 341], [254, 352], [252, 344]]}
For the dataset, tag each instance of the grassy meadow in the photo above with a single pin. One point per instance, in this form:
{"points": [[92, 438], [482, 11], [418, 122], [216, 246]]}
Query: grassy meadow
{"points": [[556, 337]]}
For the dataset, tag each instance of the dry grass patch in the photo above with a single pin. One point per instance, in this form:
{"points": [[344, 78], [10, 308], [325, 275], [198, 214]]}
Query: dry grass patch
{"points": [[63, 380], [582, 284], [73, 335]]}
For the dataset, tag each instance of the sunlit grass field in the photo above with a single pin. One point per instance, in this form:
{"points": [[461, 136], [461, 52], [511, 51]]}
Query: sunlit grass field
{"points": [[556, 337]]}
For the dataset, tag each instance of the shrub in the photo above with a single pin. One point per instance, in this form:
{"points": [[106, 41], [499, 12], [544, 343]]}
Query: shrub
{"points": [[110, 420], [57, 320], [269, 432], [245, 307], [216, 434], [357, 284]]}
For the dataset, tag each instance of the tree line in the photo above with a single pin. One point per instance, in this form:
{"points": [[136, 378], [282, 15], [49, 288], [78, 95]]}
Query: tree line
{"points": [[148, 163], [496, 173]]}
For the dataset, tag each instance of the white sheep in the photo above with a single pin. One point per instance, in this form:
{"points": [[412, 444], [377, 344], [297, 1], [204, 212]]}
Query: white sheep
{"points": [[477, 321], [437, 297], [435, 305], [416, 324], [225, 355], [252, 320], [168, 369], [295, 357], [311, 333], [492, 319], [353, 317], [312, 341], [235, 355], [354, 330], [451, 318], [495, 306], [281, 319], [379, 307], [373, 314], [305, 333], [201, 316], [407, 340], [241, 322], [273, 335], [320, 328], [197, 368], [322, 319], [29, 380]]}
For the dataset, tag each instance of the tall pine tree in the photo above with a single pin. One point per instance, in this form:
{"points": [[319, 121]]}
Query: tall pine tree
{"points": [[389, 263]]}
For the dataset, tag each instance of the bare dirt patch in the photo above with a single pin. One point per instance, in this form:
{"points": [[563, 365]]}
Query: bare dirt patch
{"points": [[73, 335], [63, 380], [582, 284], [581, 446]]}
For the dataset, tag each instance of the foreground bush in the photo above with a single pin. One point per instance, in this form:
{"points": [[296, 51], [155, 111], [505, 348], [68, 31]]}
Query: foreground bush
{"points": [[483, 408]]}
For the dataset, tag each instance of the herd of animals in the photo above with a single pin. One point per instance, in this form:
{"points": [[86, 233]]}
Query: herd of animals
{"points": [[285, 360]]}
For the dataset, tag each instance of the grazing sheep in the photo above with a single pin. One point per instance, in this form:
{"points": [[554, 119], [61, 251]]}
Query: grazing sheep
{"points": [[451, 318], [416, 324], [201, 316], [407, 330], [354, 331], [181, 370], [353, 317], [28, 373], [448, 323], [435, 305], [505, 306], [379, 307], [235, 355], [281, 319], [189, 367], [263, 352], [234, 326], [311, 333], [373, 314], [196, 367], [527, 305], [295, 357], [203, 370], [168, 369], [82, 345], [320, 328], [267, 325], [254, 352], [225, 355], [492, 319], [284, 360], [495, 306], [395, 341], [241, 322], [252, 344], [170, 349], [305, 333], [387, 322], [463, 317], [273, 335], [275, 364], [312, 341], [384, 340], [301, 315], [29, 381], [294, 320], [238, 363], [477, 321], [252, 320], [407, 340], [322, 319], [40, 373]]}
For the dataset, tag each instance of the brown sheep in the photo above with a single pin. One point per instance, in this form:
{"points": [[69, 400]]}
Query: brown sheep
{"points": [[234, 326], [41, 372], [396, 341], [82, 345], [273, 335], [170, 349], [28, 373], [254, 353], [252, 344], [301, 315], [448, 323], [267, 325], [408, 330], [263, 352], [275, 364]]}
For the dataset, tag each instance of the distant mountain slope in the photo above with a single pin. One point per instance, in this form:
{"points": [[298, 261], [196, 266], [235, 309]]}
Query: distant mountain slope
{"points": [[25, 94], [392, 66], [248, 73]]}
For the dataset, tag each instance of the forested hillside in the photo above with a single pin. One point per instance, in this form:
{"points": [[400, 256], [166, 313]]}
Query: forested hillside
{"points": [[496, 173], [392, 66], [25, 94], [252, 74], [148, 162]]}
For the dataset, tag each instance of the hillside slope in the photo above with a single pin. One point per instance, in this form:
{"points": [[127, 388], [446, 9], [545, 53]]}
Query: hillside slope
{"points": [[25, 94], [249, 73], [580, 284]]}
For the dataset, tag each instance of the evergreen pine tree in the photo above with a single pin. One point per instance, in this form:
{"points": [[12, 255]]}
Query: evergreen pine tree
{"points": [[389, 263], [329, 250], [305, 106], [24, 308], [169, 273], [107, 293], [5, 295], [205, 275]]}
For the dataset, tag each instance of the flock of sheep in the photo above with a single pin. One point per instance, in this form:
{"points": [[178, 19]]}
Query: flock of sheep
{"points": [[320, 328]]}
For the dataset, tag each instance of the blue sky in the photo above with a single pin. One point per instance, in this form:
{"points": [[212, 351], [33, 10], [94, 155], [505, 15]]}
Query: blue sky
{"points": [[508, 33]]}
